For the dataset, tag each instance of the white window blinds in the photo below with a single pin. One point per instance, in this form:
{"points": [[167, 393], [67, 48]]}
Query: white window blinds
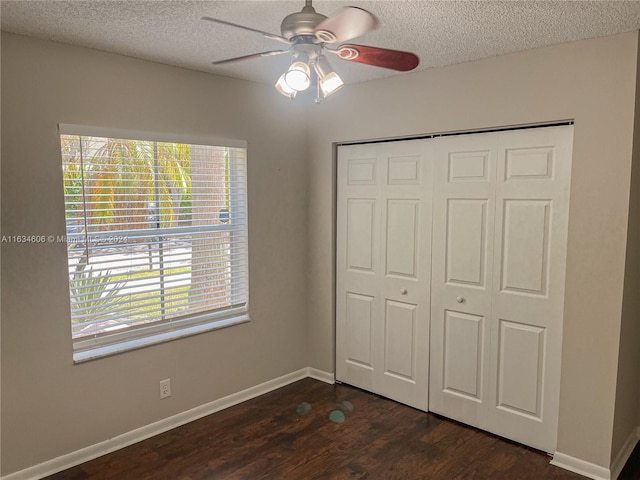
{"points": [[156, 239]]}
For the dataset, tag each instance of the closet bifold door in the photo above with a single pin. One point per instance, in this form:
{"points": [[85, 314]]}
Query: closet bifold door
{"points": [[383, 269], [499, 254], [529, 263], [463, 237]]}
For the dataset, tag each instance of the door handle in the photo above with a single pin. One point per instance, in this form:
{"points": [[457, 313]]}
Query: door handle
{"points": [[460, 299], [403, 291]]}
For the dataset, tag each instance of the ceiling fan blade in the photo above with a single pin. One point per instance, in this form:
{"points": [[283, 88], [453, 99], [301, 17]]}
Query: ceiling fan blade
{"points": [[253, 55], [378, 57], [345, 24], [265, 34]]}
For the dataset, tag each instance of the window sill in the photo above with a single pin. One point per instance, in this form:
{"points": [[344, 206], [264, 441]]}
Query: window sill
{"points": [[100, 351]]}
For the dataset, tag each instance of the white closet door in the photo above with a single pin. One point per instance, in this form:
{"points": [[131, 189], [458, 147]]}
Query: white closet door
{"points": [[532, 206], [497, 332], [463, 223], [383, 269], [358, 282]]}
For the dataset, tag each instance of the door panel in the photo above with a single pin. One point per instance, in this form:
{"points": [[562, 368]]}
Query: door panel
{"points": [[525, 246], [359, 323], [404, 170], [406, 283], [468, 165], [358, 267], [529, 163], [383, 257], [463, 351], [360, 237], [520, 368], [463, 211], [402, 222], [362, 171], [466, 230], [399, 340], [532, 208]]}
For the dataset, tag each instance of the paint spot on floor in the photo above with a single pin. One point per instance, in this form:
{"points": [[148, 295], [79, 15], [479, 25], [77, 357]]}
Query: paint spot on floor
{"points": [[336, 416], [346, 405], [303, 408]]}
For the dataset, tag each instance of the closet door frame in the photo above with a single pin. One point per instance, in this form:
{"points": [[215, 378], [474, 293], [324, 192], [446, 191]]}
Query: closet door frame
{"points": [[495, 305]]}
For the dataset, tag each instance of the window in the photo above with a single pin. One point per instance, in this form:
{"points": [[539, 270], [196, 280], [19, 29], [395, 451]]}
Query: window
{"points": [[156, 237]]}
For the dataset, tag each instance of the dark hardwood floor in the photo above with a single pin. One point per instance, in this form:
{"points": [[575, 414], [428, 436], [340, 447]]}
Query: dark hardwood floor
{"points": [[277, 436], [631, 470]]}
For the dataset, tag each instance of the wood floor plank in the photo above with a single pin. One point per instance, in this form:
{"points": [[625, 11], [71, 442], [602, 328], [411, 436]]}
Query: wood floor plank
{"points": [[275, 437]]}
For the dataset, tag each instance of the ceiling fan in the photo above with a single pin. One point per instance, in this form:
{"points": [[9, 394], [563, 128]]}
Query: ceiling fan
{"points": [[307, 35]]}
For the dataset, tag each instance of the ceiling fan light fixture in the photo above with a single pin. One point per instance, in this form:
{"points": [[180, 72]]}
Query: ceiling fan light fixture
{"points": [[298, 77], [330, 83], [307, 33], [283, 87]]}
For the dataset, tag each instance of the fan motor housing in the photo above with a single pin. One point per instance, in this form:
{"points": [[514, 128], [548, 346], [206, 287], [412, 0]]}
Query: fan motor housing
{"points": [[301, 23]]}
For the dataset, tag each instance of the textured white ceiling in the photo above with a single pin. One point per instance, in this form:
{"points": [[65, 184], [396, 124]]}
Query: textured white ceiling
{"points": [[439, 32]]}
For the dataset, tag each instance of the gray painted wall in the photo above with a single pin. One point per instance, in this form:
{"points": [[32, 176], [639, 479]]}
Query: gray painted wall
{"points": [[628, 383], [50, 406]]}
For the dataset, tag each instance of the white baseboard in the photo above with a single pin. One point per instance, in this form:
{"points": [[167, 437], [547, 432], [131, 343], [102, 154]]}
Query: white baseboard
{"points": [[625, 452], [321, 375], [582, 467], [94, 451], [598, 472]]}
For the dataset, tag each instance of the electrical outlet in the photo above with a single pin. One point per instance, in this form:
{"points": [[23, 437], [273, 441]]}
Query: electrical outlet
{"points": [[165, 388]]}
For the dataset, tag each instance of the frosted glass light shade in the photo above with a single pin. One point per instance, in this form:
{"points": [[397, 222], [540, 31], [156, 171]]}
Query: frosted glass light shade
{"points": [[330, 83], [284, 88], [298, 77]]}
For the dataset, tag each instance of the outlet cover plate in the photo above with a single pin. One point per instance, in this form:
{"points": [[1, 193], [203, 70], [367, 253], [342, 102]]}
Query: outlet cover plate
{"points": [[165, 388]]}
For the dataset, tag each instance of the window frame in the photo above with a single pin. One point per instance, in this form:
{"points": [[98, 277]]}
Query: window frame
{"points": [[138, 336]]}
